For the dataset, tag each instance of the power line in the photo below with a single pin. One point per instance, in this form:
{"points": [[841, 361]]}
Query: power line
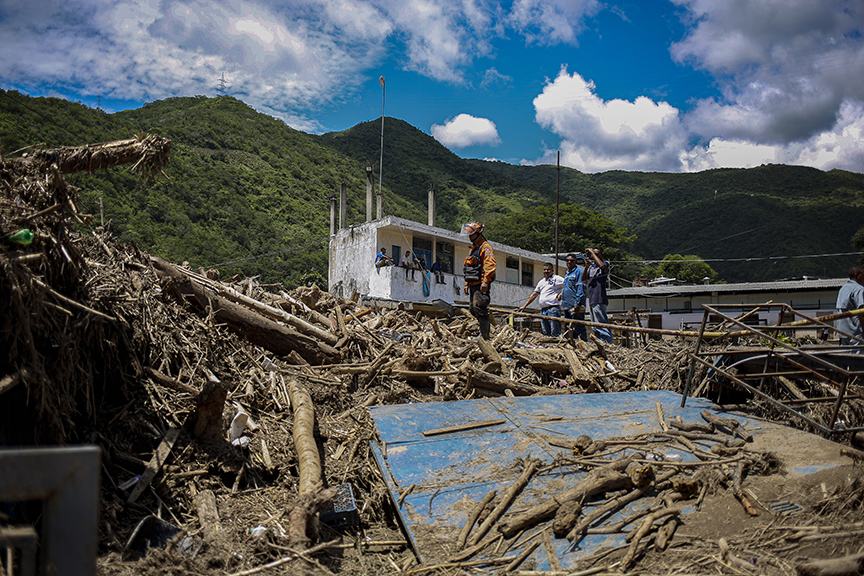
{"points": [[749, 259], [47, 119]]}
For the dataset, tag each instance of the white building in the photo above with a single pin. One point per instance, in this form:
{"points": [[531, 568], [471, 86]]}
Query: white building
{"points": [[352, 257]]}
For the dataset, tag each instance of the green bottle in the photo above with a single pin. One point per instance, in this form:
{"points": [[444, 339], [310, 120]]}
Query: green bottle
{"points": [[23, 237]]}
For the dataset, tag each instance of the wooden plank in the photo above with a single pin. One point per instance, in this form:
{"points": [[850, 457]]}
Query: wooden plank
{"points": [[461, 427], [155, 463]]}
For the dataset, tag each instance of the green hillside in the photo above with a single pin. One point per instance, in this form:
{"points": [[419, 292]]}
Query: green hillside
{"points": [[414, 161], [769, 211], [246, 193]]}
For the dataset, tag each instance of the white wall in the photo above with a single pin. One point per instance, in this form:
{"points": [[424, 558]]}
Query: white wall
{"points": [[352, 265]]}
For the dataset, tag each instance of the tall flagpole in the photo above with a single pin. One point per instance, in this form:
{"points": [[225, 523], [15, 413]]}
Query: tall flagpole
{"points": [[381, 165], [557, 200]]}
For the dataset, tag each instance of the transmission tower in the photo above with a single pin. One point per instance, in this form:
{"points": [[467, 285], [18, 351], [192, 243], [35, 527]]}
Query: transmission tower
{"points": [[221, 88]]}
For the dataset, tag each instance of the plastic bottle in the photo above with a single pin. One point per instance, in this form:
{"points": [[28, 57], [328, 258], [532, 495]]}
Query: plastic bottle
{"points": [[22, 237]]}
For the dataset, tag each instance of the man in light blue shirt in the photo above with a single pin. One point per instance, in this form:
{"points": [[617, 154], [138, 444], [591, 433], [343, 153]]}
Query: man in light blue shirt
{"points": [[573, 295], [851, 297]]}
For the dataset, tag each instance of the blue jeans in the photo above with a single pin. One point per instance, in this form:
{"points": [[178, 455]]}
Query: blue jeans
{"points": [[550, 327], [577, 330], [598, 314]]}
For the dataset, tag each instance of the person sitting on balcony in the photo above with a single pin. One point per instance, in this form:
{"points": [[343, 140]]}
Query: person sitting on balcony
{"points": [[408, 264], [382, 259], [438, 271]]}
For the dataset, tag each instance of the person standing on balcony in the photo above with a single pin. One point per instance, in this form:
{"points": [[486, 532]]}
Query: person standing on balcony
{"points": [[479, 270], [573, 295], [549, 290], [598, 274]]}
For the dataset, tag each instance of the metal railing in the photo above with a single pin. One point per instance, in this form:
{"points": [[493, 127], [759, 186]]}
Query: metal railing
{"points": [[833, 366]]}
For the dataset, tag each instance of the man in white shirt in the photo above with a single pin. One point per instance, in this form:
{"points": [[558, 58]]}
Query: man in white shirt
{"points": [[548, 289], [408, 264]]}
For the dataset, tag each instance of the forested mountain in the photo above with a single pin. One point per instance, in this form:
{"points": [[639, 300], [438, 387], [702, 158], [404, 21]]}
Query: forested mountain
{"points": [[246, 193], [734, 214]]}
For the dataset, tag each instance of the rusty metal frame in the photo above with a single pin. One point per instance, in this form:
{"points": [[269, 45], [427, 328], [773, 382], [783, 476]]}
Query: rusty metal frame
{"points": [[782, 358], [67, 481]]}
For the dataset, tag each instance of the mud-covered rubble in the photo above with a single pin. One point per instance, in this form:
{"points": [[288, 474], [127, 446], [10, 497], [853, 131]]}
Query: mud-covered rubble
{"points": [[111, 346]]}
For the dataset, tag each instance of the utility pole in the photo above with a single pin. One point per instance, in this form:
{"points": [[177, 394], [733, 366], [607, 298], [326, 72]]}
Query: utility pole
{"points": [[557, 199], [381, 165]]}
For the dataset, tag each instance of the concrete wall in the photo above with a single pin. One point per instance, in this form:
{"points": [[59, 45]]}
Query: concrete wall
{"points": [[351, 258], [353, 251]]}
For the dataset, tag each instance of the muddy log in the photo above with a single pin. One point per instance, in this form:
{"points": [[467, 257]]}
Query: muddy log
{"points": [[302, 525], [308, 458], [253, 327], [499, 384], [271, 312], [845, 566], [604, 479], [539, 360]]}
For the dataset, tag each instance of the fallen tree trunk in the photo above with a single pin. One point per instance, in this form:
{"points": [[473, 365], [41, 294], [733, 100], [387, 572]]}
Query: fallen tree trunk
{"points": [[489, 381], [596, 482], [509, 495], [302, 520], [253, 327], [308, 458], [301, 528], [149, 154], [540, 361]]}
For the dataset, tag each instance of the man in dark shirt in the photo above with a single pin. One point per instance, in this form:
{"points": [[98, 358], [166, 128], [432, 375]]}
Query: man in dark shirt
{"points": [[598, 274]]}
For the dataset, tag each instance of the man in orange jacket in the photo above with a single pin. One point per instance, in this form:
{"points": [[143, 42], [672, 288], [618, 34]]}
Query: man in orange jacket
{"points": [[479, 270]]}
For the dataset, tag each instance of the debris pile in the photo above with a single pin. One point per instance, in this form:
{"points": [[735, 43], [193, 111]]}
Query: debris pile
{"points": [[232, 418]]}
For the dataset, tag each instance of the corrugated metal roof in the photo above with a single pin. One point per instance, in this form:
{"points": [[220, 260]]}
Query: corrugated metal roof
{"points": [[740, 287]]}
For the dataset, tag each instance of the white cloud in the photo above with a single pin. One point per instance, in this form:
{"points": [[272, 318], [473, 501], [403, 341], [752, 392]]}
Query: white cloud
{"points": [[551, 21], [466, 130], [783, 67], [786, 95], [842, 147], [604, 135], [492, 78]]}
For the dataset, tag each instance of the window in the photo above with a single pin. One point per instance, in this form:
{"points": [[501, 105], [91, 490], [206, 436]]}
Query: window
{"points": [[444, 251], [511, 270], [527, 274], [422, 247]]}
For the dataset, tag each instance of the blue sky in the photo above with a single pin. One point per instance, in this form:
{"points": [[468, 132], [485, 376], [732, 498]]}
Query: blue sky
{"points": [[649, 85]]}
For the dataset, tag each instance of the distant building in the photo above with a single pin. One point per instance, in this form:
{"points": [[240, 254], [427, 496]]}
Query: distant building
{"points": [[681, 306]]}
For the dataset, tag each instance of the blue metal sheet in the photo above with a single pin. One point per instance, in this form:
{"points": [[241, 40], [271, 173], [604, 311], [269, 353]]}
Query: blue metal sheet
{"points": [[452, 472]]}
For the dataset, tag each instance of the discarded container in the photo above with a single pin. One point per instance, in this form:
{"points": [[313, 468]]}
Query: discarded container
{"points": [[342, 512], [22, 237], [238, 424], [151, 532]]}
